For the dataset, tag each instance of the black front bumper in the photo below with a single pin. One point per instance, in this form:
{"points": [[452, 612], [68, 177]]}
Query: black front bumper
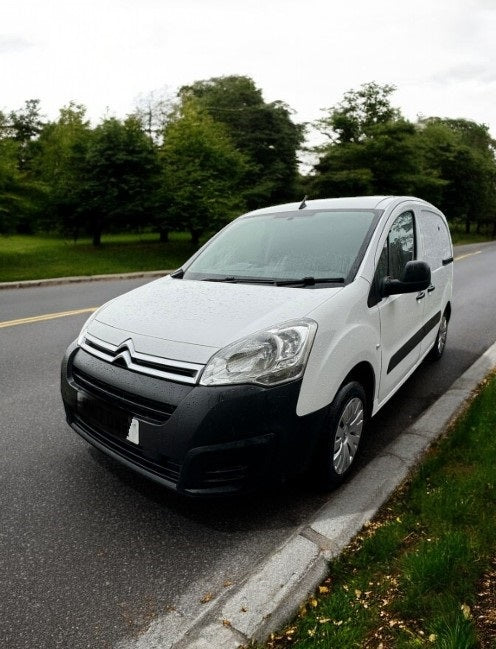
{"points": [[193, 439]]}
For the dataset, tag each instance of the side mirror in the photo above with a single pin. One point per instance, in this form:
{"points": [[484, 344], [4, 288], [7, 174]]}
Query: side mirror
{"points": [[416, 277]]}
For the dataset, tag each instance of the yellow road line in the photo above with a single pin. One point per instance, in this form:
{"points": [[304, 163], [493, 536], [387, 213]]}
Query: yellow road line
{"points": [[469, 254], [46, 316]]}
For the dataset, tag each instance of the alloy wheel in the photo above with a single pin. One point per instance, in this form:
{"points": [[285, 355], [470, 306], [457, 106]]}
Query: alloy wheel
{"points": [[348, 434]]}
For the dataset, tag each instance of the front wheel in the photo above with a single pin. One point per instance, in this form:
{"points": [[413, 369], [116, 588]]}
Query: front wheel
{"points": [[442, 335], [341, 436]]}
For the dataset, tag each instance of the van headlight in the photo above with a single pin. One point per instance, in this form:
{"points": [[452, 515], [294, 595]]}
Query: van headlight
{"points": [[268, 357]]}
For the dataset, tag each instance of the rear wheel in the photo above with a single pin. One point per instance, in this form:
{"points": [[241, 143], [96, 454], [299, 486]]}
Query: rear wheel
{"points": [[341, 436], [442, 335]]}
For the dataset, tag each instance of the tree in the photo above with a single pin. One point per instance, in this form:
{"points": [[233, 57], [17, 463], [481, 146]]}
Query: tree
{"points": [[387, 161], [372, 149], [462, 153], [341, 171], [201, 171], [120, 177], [17, 194], [263, 132], [26, 124], [356, 160], [60, 163], [153, 111], [352, 119], [20, 193]]}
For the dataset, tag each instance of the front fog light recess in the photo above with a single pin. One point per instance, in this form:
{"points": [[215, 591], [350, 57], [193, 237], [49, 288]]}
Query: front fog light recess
{"points": [[268, 357]]}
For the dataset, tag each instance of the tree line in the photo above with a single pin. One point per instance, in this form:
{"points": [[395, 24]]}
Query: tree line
{"points": [[218, 149]]}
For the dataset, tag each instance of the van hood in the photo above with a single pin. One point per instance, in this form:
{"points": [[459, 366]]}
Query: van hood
{"points": [[190, 320]]}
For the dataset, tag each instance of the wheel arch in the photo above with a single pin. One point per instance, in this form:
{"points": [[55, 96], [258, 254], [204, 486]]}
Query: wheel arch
{"points": [[364, 374]]}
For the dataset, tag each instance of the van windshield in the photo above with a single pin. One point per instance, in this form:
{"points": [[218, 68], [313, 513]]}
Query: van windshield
{"points": [[315, 245]]}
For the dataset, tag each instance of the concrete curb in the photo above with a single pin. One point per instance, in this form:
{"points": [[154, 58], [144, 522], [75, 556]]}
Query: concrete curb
{"points": [[55, 281], [272, 593]]}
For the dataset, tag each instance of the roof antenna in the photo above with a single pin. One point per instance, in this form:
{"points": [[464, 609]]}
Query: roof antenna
{"points": [[303, 203]]}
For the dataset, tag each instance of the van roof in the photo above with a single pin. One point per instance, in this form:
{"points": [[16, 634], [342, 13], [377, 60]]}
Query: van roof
{"points": [[350, 202]]}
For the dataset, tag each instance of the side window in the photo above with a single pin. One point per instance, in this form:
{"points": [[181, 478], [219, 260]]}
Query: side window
{"points": [[398, 249], [401, 244], [435, 238]]}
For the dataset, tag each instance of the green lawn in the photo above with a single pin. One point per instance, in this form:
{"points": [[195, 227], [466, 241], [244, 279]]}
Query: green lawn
{"points": [[422, 574], [460, 237], [35, 257]]}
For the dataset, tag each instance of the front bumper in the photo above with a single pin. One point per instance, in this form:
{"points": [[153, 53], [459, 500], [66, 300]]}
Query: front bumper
{"points": [[197, 440]]}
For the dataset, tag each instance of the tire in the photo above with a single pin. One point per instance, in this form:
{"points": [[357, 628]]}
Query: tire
{"points": [[440, 344], [342, 433]]}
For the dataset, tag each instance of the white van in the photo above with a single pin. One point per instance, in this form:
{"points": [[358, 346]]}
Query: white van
{"points": [[267, 352]]}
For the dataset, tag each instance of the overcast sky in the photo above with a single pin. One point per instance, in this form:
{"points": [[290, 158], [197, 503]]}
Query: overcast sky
{"points": [[441, 54]]}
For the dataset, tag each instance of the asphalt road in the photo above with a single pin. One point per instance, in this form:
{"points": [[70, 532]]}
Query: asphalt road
{"points": [[90, 553]]}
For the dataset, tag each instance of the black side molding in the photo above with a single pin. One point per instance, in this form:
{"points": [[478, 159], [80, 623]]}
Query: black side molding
{"points": [[403, 352], [447, 261]]}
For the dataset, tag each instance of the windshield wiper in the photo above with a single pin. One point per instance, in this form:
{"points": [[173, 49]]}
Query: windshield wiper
{"points": [[219, 279], [304, 281], [310, 281], [178, 274], [240, 280]]}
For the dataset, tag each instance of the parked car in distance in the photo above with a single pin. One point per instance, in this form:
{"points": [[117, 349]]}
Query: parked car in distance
{"points": [[269, 349]]}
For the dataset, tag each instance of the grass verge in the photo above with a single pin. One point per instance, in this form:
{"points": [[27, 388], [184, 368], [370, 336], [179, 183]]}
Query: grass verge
{"points": [[460, 237], [422, 573], [39, 257]]}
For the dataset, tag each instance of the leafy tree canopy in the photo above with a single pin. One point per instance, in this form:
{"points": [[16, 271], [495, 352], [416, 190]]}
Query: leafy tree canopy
{"points": [[352, 119], [462, 153], [120, 173], [372, 149], [201, 170], [60, 164], [219, 148], [20, 195], [25, 126], [27, 123], [263, 132]]}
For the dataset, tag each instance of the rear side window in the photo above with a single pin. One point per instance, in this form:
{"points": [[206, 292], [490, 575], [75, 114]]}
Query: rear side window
{"points": [[436, 239]]}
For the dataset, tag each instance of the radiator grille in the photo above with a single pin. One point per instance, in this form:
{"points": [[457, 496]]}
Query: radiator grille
{"points": [[126, 356]]}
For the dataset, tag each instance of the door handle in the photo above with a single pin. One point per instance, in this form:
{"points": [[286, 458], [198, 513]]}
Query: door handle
{"points": [[430, 289], [420, 296]]}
